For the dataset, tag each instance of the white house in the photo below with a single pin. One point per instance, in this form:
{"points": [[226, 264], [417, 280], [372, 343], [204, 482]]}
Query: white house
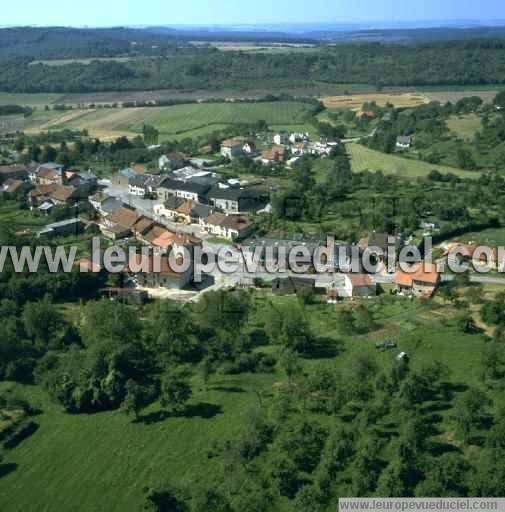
{"points": [[299, 137], [358, 285], [281, 138], [231, 148], [404, 142]]}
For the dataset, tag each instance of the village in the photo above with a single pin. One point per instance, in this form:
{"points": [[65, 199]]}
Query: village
{"points": [[186, 203]]}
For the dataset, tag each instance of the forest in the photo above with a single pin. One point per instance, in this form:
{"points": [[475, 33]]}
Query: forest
{"points": [[380, 65]]}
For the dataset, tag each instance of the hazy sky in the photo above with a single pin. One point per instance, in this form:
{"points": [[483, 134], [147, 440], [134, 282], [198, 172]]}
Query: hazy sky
{"points": [[198, 12]]}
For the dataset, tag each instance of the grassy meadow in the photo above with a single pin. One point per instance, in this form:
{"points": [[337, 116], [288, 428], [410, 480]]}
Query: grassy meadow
{"points": [[177, 121], [465, 126], [363, 158], [104, 461], [29, 100]]}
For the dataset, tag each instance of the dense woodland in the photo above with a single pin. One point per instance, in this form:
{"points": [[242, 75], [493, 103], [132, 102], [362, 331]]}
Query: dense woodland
{"points": [[451, 63]]}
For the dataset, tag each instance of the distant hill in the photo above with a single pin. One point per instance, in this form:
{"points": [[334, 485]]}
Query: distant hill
{"points": [[64, 43]]}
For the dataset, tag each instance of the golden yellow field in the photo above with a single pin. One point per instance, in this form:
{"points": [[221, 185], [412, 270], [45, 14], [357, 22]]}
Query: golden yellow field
{"points": [[355, 101]]}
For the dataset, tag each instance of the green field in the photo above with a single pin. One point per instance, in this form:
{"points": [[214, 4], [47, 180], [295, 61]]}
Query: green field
{"points": [[465, 127], [363, 159], [487, 237], [102, 462], [180, 120], [30, 100]]}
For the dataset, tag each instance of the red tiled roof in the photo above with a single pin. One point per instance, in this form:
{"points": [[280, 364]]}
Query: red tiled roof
{"points": [[420, 272], [124, 217], [61, 193]]}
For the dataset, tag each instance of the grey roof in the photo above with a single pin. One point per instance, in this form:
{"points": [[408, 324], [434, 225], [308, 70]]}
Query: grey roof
{"points": [[208, 181], [173, 202], [381, 240], [201, 211], [62, 223], [404, 139], [234, 194], [51, 165], [87, 175], [46, 206], [110, 204], [154, 181], [187, 186], [139, 180]]}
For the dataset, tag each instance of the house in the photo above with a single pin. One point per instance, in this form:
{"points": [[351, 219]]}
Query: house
{"points": [[142, 226], [169, 207], [119, 223], [293, 285], [183, 211], [276, 251], [158, 236], [85, 181], [64, 195], [404, 142], [359, 285], [281, 138], [200, 212], [161, 237], [13, 172], [321, 148], [47, 176], [172, 161], [104, 204], [422, 279], [274, 154], [299, 148], [233, 200], [62, 228], [163, 277], [175, 208], [299, 137], [57, 194], [231, 148], [231, 227], [137, 184], [185, 189], [153, 182]]}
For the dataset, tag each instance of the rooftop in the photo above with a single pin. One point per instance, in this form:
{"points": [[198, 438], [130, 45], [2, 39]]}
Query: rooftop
{"points": [[420, 272]]}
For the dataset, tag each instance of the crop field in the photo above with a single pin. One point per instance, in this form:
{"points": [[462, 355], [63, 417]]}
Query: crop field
{"points": [[363, 158], [64, 62], [180, 120], [465, 127], [10, 124], [355, 101], [258, 47]]}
